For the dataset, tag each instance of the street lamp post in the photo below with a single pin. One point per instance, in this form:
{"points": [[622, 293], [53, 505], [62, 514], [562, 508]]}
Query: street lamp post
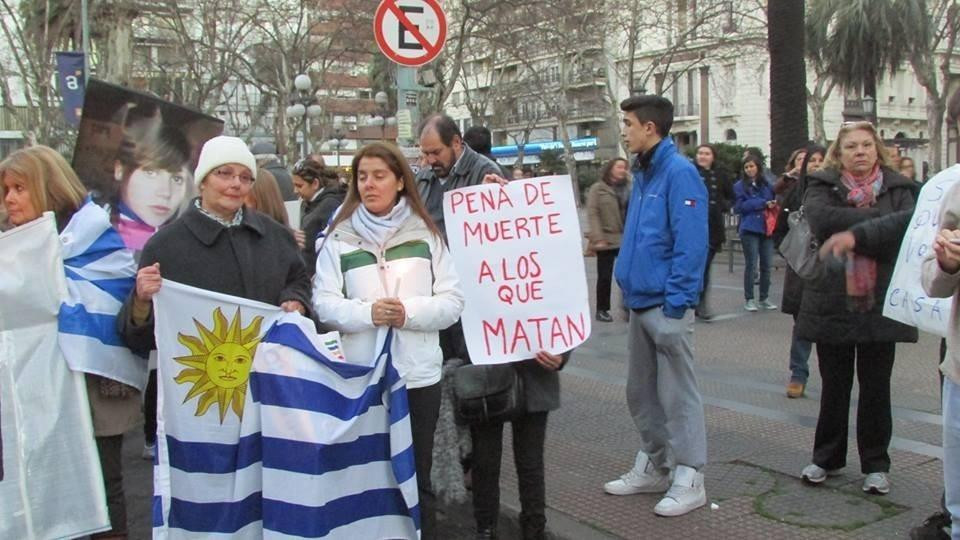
{"points": [[337, 137], [870, 109], [304, 105], [380, 118]]}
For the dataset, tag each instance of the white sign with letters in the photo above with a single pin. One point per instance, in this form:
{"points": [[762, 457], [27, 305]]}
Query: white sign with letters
{"points": [[906, 300], [517, 249]]}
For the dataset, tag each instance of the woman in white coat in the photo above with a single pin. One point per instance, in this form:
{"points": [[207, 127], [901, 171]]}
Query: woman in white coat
{"points": [[384, 264]]}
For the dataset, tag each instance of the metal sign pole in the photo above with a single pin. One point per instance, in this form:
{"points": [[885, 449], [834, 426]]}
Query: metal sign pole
{"points": [[85, 30]]}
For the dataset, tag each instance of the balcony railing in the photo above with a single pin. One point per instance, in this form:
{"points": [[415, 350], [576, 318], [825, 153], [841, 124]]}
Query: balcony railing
{"points": [[686, 109]]}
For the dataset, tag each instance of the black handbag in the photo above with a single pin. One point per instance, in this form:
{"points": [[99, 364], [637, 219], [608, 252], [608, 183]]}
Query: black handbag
{"points": [[487, 393]]}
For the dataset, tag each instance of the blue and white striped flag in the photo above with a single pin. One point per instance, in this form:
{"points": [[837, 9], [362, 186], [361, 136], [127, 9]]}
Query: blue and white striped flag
{"points": [[100, 273], [336, 443], [263, 435]]}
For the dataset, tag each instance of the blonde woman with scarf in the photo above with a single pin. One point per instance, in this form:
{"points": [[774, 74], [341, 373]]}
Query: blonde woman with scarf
{"points": [[383, 264], [841, 311]]}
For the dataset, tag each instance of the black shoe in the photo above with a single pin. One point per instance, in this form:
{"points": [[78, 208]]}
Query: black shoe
{"points": [[934, 527], [486, 534], [604, 316]]}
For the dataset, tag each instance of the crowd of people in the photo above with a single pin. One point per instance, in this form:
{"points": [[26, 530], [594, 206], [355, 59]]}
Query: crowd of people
{"points": [[370, 254]]}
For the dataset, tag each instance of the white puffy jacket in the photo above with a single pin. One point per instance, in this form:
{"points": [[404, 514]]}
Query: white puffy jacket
{"points": [[413, 266]]}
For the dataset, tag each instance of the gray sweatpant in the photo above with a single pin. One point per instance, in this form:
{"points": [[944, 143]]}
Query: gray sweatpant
{"points": [[662, 390]]}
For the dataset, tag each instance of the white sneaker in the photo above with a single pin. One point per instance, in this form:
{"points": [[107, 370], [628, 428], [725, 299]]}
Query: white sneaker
{"points": [[642, 478], [750, 305], [767, 305], [149, 451], [686, 494], [876, 483], [814, 474]]}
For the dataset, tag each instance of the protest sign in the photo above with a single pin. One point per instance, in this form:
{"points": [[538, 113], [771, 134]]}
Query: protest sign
{"points": [[906, 300], [517, 249], [293, 213], [51, 486], [137, 153]]}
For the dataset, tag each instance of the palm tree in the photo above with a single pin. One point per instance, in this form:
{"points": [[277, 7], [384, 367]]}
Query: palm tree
{"points": [[788, 79], [857, 40]]}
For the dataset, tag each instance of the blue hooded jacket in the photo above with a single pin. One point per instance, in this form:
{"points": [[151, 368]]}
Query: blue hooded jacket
{"points": [[664, 247], [751, 202]]}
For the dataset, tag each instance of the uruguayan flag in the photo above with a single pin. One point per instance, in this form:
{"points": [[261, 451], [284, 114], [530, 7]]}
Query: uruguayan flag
{"points": [[207, 480], [100, 273], [262, 435], [336, 443]]}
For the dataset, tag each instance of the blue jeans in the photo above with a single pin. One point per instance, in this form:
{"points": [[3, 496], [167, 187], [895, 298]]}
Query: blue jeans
{"points": [[756, 245], [799, 357], [951, 452]]}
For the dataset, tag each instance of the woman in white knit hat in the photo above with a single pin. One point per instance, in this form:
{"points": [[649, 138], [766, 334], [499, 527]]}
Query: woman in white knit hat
{"points": [[218, 245]]}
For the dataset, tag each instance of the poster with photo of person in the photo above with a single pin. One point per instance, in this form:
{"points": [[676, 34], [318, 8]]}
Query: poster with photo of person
{"points": [[137, 153]]}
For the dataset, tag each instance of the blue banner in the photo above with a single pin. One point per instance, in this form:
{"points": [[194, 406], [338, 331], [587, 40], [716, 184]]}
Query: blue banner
{"points": [[72, 82]]}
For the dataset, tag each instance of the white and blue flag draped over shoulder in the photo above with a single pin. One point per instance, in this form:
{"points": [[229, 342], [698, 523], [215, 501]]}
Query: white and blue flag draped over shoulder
{"points": [[100, 273], [260, 434]]}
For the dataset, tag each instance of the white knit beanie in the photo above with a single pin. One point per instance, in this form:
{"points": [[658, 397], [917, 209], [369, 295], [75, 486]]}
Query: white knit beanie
{"points": [[220, 151]]}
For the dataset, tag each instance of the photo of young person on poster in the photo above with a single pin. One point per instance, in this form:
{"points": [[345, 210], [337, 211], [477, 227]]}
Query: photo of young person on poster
{"points": [[136, 153]]}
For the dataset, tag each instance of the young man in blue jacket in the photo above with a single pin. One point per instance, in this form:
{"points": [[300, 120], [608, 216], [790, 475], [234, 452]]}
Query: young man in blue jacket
{"points": [[660, 269]]}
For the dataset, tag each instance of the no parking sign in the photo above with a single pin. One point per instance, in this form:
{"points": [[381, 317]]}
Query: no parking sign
{"points": [[410, 32]]}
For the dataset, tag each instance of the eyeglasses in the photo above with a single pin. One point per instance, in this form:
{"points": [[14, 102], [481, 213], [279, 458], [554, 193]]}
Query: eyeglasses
{"points": [[229, 174]]}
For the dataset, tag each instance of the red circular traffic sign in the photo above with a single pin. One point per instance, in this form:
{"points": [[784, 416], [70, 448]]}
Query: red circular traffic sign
{"points": [[402, 39]]}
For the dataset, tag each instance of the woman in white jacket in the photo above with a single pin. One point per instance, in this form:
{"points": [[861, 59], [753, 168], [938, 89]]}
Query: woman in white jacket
{"points": [[384, 264]]}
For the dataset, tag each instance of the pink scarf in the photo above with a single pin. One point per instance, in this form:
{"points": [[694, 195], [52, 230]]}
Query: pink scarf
{"points": [[862, 271]]}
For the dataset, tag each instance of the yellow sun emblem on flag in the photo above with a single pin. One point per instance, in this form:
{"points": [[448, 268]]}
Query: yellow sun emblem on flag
{"points": [[219, 363]]}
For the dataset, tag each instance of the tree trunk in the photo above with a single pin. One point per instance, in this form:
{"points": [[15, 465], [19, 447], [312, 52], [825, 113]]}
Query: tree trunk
{"points": [[788, 80], [117, 23], [568, 158], [817, 101], [936, 107], [819, 132]]}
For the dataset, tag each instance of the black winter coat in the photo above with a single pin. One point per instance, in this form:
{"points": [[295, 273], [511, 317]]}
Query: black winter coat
{"points": [[721, 197], [824, 317], [257, 260], [315, 215], [469, 170], [790, 198]]}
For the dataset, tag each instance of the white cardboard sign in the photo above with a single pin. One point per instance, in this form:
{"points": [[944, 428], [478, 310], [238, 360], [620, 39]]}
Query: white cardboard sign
{"points": [[517, 249], [906, 300]]}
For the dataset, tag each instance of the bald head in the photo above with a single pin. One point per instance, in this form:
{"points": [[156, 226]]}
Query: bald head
{"points": [[443, 126]]}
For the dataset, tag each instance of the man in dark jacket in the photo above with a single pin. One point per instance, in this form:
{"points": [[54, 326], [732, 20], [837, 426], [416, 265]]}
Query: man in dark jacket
{"points": [[451, 164], [479, 140], [660, 270], [266, 155]]}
